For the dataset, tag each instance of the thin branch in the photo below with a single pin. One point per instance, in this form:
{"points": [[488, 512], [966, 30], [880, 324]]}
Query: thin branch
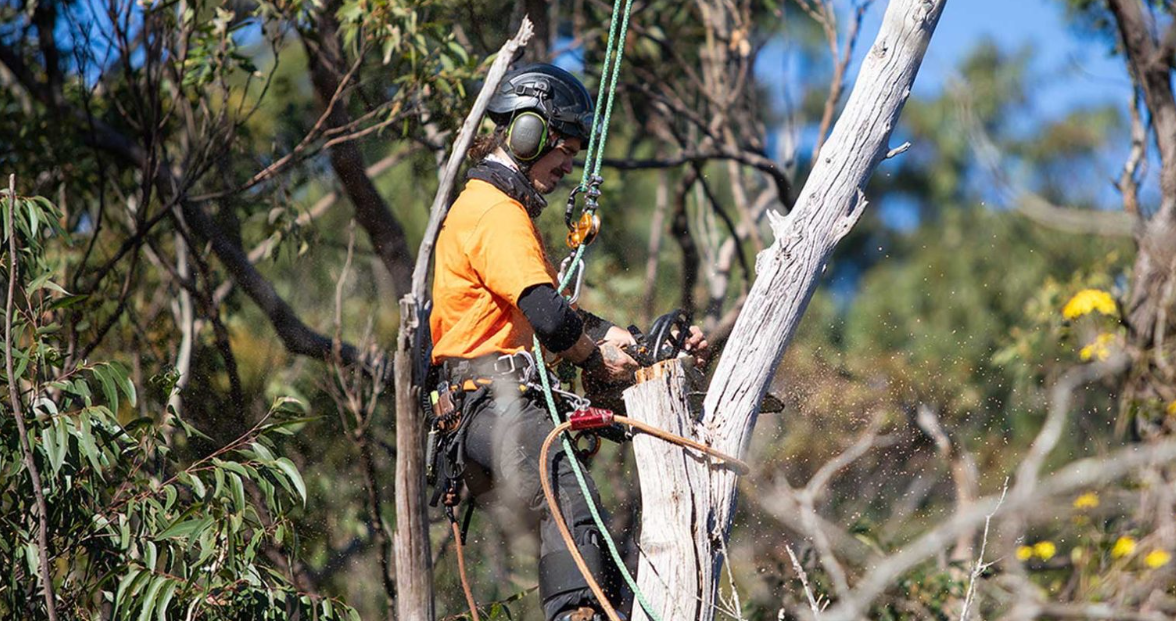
{"points": [[730, 224], [899, 150], [1128, 183], [980, 564], [657, 230], [1077, 475], [1032, 205], [1061, 396], [808, 591], [840, 64], [748, 158], [736, 605], [294, 155], [816, 485], [18, 413], [317, 209]]}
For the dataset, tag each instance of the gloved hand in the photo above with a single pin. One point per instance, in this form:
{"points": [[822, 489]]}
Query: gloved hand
{"points": [[604, 381]]}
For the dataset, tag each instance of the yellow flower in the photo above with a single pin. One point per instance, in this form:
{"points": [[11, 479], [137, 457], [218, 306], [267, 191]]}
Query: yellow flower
{"points": [[1089, 500], [1099, 348], [1123, 547], [1087, 301], [1045, 550], [1157, 559], [1024, 553], [1172, 409]]}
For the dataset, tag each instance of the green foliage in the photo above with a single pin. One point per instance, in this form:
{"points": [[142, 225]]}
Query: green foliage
{"points": [[133, 531]]}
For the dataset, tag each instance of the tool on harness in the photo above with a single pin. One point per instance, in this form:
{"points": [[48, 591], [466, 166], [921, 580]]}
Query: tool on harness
{"points": [[590, 421], [444, 451]]}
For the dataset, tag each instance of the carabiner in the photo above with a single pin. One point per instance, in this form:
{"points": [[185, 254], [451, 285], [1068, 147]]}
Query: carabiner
{"points": [[591, 193]]}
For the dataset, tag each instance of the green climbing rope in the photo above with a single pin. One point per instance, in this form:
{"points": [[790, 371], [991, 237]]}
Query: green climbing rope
{"points": [[594, 156]]}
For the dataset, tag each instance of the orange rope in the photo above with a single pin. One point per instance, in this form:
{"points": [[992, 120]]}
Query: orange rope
{"points": [[465, 583], [741, 468], [739, 465], [569, 541]]}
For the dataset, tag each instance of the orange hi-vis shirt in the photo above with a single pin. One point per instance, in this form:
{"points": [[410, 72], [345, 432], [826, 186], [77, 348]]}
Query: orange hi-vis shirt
{"points": [[488, 252]]}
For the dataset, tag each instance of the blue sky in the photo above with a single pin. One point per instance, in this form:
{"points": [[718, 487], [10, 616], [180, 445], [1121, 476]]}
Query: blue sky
{"points": [[1068, 69], [1075, 69], [1072, 69]]}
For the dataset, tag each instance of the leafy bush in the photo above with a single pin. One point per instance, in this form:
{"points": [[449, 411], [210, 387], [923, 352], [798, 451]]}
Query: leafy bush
{"points": [[131, 531]]}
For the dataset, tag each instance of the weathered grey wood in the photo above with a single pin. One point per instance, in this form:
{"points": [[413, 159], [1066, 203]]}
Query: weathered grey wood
{"points": [[829, 205], [668, 476], [414, 564]]}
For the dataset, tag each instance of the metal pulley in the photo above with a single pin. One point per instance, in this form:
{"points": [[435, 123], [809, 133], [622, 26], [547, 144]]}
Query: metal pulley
{"points": [[583, 230]]}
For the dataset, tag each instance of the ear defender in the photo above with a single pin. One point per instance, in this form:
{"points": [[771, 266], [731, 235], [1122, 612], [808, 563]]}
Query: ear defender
{"points": [[527, 136]]}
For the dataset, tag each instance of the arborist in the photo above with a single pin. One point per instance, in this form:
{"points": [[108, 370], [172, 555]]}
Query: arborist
{"points": [[494, 290]]}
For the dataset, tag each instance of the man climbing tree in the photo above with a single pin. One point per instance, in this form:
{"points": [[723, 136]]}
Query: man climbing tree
{"points": [[494, 291]]}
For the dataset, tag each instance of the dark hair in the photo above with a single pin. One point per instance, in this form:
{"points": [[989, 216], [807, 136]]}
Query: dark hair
{"points": [[486, 144]]}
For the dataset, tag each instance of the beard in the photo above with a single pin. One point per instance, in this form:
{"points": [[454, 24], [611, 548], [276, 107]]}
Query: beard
{"points": [[544, 186]]}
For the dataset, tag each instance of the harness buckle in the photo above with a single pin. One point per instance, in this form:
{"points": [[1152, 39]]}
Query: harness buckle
{"points": [[508, 364]]}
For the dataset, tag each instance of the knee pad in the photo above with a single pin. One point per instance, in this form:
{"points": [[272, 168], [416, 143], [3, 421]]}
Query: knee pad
{"points": [[559, 576]]}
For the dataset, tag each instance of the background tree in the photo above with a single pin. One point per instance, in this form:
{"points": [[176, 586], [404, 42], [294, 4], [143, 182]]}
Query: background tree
{"points": [[208, 174]]}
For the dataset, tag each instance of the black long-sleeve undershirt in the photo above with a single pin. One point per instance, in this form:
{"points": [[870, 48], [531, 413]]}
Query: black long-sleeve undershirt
{"points": [[555, 322]]}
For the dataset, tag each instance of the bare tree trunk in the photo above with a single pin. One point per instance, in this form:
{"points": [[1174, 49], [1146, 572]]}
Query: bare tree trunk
{"points": [[1149, 306], [668, 516], [787, 272]]}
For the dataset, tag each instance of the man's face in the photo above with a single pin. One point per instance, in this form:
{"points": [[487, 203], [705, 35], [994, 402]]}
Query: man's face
{"points": [[546, 172]]}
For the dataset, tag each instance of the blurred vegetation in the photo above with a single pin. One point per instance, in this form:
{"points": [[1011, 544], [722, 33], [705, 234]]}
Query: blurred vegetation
{"points": [[944, 297]]}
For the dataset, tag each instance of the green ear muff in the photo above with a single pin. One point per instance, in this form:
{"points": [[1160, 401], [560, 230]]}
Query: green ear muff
{"points": [[527, 136]]}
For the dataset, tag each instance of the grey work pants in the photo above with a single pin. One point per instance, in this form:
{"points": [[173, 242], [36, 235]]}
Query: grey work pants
{"points": [[503, 440]]}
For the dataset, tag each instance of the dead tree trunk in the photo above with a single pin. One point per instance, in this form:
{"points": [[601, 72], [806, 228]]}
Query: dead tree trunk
{"points": [[1153, 287], [678, 490]]}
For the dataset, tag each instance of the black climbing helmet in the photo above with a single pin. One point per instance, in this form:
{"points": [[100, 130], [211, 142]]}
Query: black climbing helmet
{"points": [[552, 93]]}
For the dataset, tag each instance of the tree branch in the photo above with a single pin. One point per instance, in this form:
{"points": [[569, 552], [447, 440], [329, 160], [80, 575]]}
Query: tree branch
{"points": [[748, 158], [841, 63], [295, 335], [1082, 474], [1032, 205], [1154, 76], [18, 413], [325, 58]]}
